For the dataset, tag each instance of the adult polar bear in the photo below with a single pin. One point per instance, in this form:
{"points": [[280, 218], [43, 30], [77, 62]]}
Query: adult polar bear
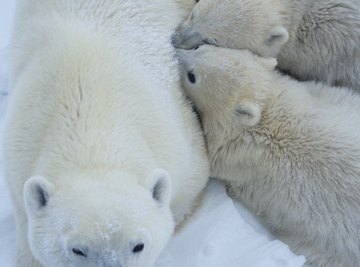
{"points": [[102, 154]]}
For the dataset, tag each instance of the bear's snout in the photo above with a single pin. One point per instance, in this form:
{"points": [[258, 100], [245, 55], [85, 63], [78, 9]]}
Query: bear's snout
{"points": [[186, 38]]}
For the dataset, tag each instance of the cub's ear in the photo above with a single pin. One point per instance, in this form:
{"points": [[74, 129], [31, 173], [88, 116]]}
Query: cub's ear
{"points": [[276, 38], [248, 113], [159, 183], [37, 191]]}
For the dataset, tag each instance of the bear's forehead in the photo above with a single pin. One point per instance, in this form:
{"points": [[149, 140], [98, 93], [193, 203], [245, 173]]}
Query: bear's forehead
{"points": [[103, 200], [106, 217], [108, 234], [111, 217], [105, 230]]}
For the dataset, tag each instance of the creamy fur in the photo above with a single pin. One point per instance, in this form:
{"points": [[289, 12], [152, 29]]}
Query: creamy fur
{"points": [[99, 132], [312, 40], [289, 150]]}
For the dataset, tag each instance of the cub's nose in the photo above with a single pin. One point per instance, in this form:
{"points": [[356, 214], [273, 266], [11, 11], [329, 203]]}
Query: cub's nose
{"points": [[184, 59], [186, 38]]}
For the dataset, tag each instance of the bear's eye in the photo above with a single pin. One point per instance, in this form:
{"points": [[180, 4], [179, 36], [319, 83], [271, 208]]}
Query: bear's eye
{"points": [[79, 252], [138, 248], [191, 77]]}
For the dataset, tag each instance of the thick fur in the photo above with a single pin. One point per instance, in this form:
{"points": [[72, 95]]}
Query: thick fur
{"points": [[186, 5], [289, 150], [312, 40], [99, 132]]}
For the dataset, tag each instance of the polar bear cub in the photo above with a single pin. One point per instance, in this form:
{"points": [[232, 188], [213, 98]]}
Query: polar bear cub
{"points": [[312, 40], [289, 150], [102, 159]]}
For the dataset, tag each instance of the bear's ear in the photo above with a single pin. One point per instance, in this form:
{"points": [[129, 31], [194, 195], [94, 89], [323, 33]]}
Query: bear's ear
{"points": [[37, 191], [248, 113], [277, 37], [159, 184]]}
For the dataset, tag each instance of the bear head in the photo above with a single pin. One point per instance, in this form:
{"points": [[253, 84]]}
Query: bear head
{"points": [[98, 219], [225, 83], [256, 25]]}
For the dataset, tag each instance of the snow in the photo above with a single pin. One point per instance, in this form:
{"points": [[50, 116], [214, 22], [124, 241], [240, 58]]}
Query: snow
{"points": [[219, 236], [222, 233], [7, 221], [6, 13]]}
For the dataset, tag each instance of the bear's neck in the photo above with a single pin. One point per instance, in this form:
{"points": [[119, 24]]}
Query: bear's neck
{"points": [[225, 135], [233, 147], [84, 112]]}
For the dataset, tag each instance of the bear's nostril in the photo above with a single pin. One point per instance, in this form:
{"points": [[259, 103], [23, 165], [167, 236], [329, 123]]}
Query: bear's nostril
{"points": [[79, 252], [138, 248], [191, 77]]}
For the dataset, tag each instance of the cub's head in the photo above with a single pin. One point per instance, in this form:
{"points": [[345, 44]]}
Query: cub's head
{"points": [[99, 219], [226, 84], [256, 25]]}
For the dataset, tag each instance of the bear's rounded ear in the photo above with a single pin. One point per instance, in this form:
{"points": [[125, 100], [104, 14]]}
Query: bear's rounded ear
{"points": [[37, 191], [276, 38], [248, 113], [159, 183]]}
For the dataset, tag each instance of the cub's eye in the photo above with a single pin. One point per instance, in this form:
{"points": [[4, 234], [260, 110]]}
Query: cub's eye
{"points": [[79, 252], [138, 248], [191, 77]]}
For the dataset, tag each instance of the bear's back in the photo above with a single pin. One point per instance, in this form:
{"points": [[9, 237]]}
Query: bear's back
{"points": [[148, 121]]}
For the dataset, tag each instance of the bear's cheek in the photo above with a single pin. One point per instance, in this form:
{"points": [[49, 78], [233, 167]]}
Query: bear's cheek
{"points": [[46, 244]]}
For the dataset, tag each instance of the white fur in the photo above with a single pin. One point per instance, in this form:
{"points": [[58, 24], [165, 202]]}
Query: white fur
{"points": [[99, 132], [297, 164], [312, 40]]}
